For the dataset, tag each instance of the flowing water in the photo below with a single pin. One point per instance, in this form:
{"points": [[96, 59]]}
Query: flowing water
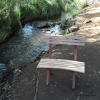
{"points": [[26, 46]]}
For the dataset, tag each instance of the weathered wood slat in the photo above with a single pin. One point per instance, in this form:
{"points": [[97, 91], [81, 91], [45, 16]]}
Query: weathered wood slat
{"points": [[63, 40], [60, 36], [67, 43], [62, 64]]}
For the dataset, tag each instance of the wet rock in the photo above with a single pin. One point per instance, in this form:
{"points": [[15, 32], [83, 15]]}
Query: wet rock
{"points": [[42, 24], [58, 23], [46, 29], [52, 24], [73, 28], [52, 31], [43, 33]]}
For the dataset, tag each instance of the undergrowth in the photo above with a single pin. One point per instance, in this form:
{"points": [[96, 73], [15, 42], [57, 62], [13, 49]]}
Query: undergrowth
{"points": [[15, 12]]}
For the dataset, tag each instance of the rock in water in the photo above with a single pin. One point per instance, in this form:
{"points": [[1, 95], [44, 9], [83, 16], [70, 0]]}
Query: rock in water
{"points": [[41, 24]]}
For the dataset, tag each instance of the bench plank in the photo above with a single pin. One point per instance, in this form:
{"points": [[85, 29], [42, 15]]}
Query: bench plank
{"points": [[61, 36], [62, 64], [49, 39]]}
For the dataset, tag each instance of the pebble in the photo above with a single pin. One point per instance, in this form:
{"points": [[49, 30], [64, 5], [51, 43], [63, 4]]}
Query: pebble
{"points": [[81, 92], [51, 92], [87, 83]]}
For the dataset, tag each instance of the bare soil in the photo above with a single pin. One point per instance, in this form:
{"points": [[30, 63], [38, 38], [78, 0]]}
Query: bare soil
{"points": [[30, 85]]}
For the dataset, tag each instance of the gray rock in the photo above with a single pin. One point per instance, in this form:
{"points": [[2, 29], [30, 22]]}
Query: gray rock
{"points": [[73, 28], [41, 24], [45, 24], [46, 29], [58, 23], [52, 24]]}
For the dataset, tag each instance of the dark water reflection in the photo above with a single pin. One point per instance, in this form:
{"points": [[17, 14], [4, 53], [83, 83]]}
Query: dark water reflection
{"points": [[25, 47]]}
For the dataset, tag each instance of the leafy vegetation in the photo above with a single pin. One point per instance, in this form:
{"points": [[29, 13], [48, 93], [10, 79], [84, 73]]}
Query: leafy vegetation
{"points": [[74, 6], [15, 12]]}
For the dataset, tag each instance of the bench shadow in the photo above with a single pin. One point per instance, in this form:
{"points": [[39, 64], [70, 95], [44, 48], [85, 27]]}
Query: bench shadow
{"points": [[60, 85]]}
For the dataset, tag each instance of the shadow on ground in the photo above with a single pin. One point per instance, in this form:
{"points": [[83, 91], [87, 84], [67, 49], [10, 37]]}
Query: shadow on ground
{"points": [[60, 86]]}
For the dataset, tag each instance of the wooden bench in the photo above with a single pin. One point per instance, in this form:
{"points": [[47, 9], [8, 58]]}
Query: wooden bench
{"points": [[73, 66]]}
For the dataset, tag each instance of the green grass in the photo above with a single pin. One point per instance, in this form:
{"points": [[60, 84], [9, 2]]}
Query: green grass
{"points": [[14, 12], [74, 6], [66, 32]]}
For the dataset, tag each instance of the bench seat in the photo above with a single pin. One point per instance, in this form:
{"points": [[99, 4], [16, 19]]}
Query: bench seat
{"points": [[71, 65], [62, 64]]}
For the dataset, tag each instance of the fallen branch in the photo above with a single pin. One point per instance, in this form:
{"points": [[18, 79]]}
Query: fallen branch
{"points": [[37, 82]]}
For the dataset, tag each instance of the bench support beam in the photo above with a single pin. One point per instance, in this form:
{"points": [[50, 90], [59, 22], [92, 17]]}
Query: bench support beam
{"points": [[47, 79], [49, 70], [73, 82], [74, 73]]}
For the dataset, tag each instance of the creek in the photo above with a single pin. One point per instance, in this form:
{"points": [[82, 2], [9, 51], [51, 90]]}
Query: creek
{"points": [[25, 46]]}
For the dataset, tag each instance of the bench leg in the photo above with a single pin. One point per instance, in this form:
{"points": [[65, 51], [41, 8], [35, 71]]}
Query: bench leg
{"points": [[73, 82], [47, 79], [49, 71]]}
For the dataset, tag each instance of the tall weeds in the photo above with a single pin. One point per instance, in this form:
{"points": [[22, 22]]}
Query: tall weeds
{"points": [[74, 6], [14, 12]]}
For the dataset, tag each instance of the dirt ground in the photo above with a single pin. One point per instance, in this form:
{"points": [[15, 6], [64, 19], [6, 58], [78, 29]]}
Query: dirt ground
{"points": [[30, 85]]}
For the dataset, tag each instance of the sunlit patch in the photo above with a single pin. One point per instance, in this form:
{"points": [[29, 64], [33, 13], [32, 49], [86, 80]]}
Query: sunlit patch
{"points": [[49, 1], [92, 40], [94, 10], [95, 19], [96, 28]]}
